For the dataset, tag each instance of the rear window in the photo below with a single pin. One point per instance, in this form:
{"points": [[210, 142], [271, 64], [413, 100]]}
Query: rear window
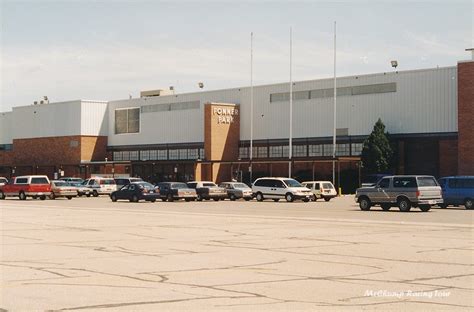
{"points": [[461, 183], [179, 186], [327, 186], [192, 185], [107, 182], [208, 184], [240, 186], [404, 182], [427, 181], [60, 183], [292, 183], [136, 180], [39, 181], [261, 183]]}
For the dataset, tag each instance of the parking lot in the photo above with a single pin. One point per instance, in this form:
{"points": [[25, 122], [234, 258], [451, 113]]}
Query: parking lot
{"points": [[92, 254]]}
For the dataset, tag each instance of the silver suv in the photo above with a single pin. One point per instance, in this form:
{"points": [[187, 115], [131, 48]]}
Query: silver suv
{"points": [[403, 192]]}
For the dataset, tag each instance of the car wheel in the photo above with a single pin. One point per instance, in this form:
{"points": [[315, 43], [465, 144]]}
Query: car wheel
{"points": [[247, 199], [289, 197], [199, 197], [259, 197], [425, 208], [232, 197], [153, 200], [188, 199], [22, 195], [34, 197], [443, 206], [305, 200], [404, 204], [88, 195], [170, 198], [364, 204], [52, 196], [327, 199], [43, 197], [314, 198], [216, 199], [468, 203], [2, 195], [135, 199], [79, 194], [69, 197], [113, 198], [385, 207], [94, 193], [276, 200]]}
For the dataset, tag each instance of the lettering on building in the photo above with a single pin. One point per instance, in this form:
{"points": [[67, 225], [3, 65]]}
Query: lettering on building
{"points": [[225, 115]]}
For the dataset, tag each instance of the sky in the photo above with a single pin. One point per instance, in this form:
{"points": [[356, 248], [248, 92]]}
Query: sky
{"points": [[109, 50]]}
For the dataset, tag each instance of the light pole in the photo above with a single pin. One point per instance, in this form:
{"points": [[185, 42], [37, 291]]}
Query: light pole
{"points": [[290, 143], [335, 112]]}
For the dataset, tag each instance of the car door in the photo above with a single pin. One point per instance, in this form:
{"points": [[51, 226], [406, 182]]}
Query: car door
{"points": [[382, 194], [279, 189], [453, 194], [122, 193]]}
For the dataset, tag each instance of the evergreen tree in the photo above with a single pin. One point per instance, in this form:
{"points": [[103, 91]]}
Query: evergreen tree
{"points": [[377, 153]]}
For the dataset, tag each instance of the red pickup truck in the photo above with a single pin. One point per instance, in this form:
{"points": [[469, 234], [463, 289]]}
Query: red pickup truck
{"points": [[35, 186]]}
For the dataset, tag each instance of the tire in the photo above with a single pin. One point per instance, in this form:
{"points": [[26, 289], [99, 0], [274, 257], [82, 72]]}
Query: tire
{"points": [[170, 198], [22, 195], [79, 194], [153, 200], [34, 197], [199, 197], [88, 195], [276, 200], [327, 199], [216, 199], [232, 197], [469, 204], [95, 194], [134, 199], [314, 198], [69, 197], [289, 197], [52, 196], [305, 200], [113, 197], [2, 195], [43, 197], [163, 199], [404, 204], [259, 197], [188, 199], [444, 206], [364, 204], [425, 208], [247, 199], [385, 207]]}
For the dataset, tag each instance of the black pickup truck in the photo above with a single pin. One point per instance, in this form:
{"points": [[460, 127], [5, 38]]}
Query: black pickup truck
{"points": [[169, 191], [207, 190]]}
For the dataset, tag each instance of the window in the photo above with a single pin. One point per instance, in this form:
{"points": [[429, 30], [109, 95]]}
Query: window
{"points": [[127, 120], [327, 149], [243, 152], [6, 147], [193, 153], [162, 155], [73, 143], [286, 151], [315, 150], [404, 182], [134, 155], [126, 155], [299, 150], [292, 183], [144, 155], [278, 183], [276, 151], [183, 154], [173, 154], [117, 156], [427, 181], [342, 149], [385, 183], [202, 153], [357, 149], [262, 152], [39, 181], [21, 181]]}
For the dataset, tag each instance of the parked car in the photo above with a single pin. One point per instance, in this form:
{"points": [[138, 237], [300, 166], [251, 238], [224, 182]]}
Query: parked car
{"points": [[170, 191], [61, 188], [72, 180], [236, 190], [124, 181], [321, 189], [3, 181], [136, 191], [458, 190], [101, 186], [82, 188], [35, 186], [402, 191], [278, 188], [207, 190]]}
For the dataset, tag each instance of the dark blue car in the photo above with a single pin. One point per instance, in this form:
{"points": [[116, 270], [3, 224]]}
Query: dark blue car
{"points": [[458, 190], [136, 191]]}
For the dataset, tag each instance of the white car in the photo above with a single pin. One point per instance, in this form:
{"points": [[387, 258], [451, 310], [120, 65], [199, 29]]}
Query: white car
{"points": [[278, 188], [321, 189], [3, 181], [101, 186]]}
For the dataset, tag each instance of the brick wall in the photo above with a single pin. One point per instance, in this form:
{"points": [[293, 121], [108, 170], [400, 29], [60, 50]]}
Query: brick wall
{"points": [[448, 157], [466, 118]]}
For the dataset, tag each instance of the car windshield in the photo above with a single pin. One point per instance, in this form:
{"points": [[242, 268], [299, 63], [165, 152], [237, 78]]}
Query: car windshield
{"points": [[208, 184], [60, 183], [179, 185], [292, 183], [135, 180], [327, 186], [146, 185], [240, 186], [427, 181]]}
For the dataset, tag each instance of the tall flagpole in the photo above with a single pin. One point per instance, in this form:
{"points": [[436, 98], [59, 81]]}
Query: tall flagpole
{"points": [[290, 152], [251, 107], [335, 111]]}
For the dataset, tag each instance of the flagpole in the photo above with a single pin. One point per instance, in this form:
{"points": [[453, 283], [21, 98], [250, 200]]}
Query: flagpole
{"points": [[251, 107], [290, 152], [335, 112]]}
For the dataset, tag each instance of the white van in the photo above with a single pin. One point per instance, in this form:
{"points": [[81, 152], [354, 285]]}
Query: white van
{"points": [[321, 189], [101, 186], [278, 188]]}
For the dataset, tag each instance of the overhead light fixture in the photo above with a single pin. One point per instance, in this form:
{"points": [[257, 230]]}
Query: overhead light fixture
{"points": [[201, 85], [394, 64]]}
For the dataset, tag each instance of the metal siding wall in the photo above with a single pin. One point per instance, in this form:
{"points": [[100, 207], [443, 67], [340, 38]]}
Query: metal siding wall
{"points": [[6, 128], [94, 118], [50, 120]]}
